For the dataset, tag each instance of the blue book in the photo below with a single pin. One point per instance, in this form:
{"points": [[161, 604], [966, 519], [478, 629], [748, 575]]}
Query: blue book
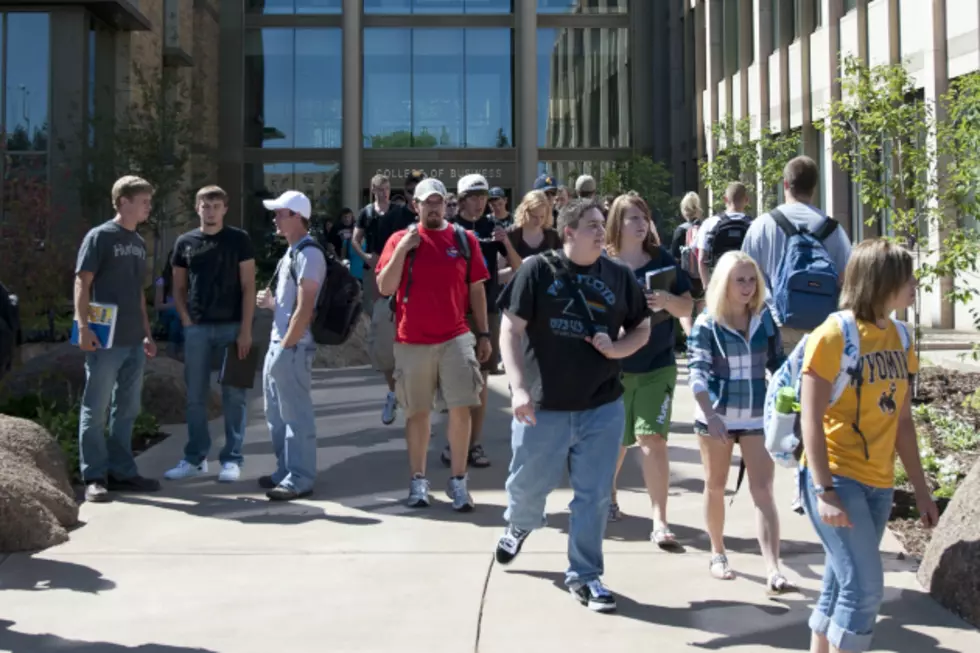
{"points": [[102, 322]]}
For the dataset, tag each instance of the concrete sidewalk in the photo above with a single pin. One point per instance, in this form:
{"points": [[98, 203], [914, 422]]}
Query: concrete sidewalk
{"points": [[204, 567]]}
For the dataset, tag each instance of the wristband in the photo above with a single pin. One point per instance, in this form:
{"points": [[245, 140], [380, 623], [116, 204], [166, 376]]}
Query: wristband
{"points": [[483, 334]]}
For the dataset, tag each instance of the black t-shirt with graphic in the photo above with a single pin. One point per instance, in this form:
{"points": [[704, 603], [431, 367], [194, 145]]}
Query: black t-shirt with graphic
{"points": [[483, 229], [378, 227], [214, 286], [563, 371]]}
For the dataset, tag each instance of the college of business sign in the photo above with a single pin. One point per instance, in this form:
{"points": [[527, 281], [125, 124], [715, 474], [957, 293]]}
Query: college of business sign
{"points": [[497, 173]]}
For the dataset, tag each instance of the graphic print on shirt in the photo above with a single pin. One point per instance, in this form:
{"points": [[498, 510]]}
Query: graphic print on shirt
{"points": [[599, 298], [885, 367]]}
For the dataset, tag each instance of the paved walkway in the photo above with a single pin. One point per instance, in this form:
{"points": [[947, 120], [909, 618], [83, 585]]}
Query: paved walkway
{"points": [[205, 568]]}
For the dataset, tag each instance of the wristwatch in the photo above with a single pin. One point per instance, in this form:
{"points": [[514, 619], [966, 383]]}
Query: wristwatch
{"points": [[820, 490], [483, 334]]}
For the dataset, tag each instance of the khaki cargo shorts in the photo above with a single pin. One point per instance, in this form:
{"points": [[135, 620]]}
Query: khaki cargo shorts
{"points": [[381, 336], [449, 371]]}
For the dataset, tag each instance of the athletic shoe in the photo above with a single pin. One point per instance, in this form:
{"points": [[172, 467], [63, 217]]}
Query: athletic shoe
{"points": [[418, 492], [594, 596], [96, 492], [458, 492], [510, 543], [230, 472], [391, 407], [186, 470]]}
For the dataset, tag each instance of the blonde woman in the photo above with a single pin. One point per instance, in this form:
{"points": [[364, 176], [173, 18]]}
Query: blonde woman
{"points": [[849, 463], [732, 345], [682, 248], [533, 230], [650, 374]]}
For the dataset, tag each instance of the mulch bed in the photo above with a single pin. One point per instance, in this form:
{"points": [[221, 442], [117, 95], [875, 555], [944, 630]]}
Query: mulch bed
{"points": [[941, 389]]}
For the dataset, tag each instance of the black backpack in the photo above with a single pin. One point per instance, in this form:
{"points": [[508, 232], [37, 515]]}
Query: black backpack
{"points": [[10, 332], [726, 236], [338, 304], [462, 242]]}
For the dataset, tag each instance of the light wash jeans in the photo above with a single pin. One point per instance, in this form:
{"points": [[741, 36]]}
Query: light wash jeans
{"points": [[853, 579], [201, 341], [586, 444], [286, 380], [111, 376]]}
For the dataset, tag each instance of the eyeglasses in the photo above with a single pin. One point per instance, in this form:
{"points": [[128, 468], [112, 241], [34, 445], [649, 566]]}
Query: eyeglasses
{"points": [[452, 205]]}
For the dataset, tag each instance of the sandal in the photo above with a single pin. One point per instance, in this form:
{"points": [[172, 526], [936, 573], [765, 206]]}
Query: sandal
{"points": [[663, 537], [779, 584], [720, 569], [615, 514], [477, 457]]}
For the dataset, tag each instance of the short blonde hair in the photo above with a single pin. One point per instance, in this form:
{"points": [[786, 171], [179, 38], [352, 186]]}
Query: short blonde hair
{"points": [[716, 297], [875, 273], [691, 207], [534, 200], [129, 187]]}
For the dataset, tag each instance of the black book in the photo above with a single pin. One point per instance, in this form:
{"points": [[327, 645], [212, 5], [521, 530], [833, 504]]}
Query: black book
{"points": [[239, 372], [662, 279]]}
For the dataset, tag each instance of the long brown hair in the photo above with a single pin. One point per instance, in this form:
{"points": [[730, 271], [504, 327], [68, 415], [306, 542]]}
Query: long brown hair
{"points": [[614, 225]]}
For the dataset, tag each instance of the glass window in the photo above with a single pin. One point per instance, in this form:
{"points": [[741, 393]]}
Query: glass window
{"points": [[731, 31], [584, 87], [437, 6], [849, 5], [438, 87], [582, 6], [293, 6], [28, 46], [293, 88]]}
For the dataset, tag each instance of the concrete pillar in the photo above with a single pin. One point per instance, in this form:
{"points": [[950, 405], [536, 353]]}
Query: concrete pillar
{"points": [[745, 53], [763, 46], [350, 158], [714, 26], [526, 49], [834, 180], [811, 138], [700, 75], [69, 72], [231, 127]]}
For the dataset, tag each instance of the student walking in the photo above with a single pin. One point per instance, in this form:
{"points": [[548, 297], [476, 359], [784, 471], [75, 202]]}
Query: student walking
{"points": [[732, 345], [649, 375], [850, 444], [581, 313]]}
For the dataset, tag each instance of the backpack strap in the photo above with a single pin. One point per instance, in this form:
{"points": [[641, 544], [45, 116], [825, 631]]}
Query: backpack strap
{"points": [[784, 223], [463, 242], [852, 368], [828, 227], [561, 272]]}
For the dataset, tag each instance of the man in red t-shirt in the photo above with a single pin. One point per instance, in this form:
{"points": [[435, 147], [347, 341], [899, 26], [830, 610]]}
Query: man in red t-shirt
{"points": [[426, 269]]}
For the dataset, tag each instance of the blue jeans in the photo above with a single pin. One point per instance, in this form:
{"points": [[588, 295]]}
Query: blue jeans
{"points": [[111, 376], [586, 443], [286, 380], [853, 579], [201, 341]]}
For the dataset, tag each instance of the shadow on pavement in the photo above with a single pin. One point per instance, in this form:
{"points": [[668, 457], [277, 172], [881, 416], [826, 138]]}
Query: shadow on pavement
{"points": [[16, 642], [27, 573]]}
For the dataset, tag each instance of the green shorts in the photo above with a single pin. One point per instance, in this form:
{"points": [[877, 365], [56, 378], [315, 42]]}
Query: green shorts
{"points": [[648, 398]]}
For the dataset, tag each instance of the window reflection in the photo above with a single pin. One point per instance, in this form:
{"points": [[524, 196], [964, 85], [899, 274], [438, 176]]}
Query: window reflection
{"points": [[320, 182], [294, 6], [438, 87], [566, 172], [583, 6], [437, 6], [583, 87], [27, 77], [293, 88]]}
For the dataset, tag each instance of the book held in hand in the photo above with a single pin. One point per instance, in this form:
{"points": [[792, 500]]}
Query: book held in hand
{"points": [[662, 280], [239, 372], [101, 321]]}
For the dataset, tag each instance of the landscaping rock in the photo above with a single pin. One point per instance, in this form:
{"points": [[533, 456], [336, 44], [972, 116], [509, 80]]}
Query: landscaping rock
{"points": [[59, 376], [37, 505], [352, 353], [950, 570]]}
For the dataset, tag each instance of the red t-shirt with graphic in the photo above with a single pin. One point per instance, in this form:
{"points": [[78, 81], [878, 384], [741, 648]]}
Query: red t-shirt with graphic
{"points": [[439, 299]]}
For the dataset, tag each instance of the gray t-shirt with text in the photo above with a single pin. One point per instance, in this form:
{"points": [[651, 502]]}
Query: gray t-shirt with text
{"points": [[116, 257]]}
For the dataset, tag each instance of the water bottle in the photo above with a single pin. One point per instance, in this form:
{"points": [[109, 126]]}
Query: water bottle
{"points": [[781, 438]]}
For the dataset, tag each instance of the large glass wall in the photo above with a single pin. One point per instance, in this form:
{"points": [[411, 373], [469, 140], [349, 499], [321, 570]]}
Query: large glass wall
{"points": [[25, 41], [293, 6], [584, 87], [293, 88], [437, 6], [438, 87], [583, 6]]}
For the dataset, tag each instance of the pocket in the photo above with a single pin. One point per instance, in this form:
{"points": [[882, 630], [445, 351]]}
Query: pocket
{"points": [[398, 376]]}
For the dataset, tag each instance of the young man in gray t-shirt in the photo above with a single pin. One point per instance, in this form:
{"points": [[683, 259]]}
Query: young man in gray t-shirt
{"points": [[110, 270]]}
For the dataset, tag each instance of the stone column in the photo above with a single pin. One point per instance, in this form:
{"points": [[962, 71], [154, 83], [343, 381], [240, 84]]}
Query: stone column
{"points": [[834, 180], [526, 92], [352, 141]]}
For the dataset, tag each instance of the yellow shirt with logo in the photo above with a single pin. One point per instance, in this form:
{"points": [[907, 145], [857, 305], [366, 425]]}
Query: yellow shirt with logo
{"points": [[885, 367]]}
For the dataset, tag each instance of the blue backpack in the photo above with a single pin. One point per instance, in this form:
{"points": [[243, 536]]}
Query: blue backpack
{"points": [[783, 438], [805, 290]]}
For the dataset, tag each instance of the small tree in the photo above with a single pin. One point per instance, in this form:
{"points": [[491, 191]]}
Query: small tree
{"points": [[650, 179]]}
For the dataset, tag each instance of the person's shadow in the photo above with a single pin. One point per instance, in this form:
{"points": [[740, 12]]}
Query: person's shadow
{"points": [[31, 574], [16, 642]]}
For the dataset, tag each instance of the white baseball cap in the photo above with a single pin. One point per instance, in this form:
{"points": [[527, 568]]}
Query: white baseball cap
{"points": [[429, 187], [293, 200], [585, 184], [472, 184]]}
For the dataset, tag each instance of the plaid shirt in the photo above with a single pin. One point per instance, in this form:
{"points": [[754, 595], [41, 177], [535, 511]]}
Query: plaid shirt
{"points": [[732, 370]]}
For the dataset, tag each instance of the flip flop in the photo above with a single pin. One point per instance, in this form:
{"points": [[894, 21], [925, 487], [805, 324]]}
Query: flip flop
{"points": [[663, 537], [779, 584], [720, 569]]}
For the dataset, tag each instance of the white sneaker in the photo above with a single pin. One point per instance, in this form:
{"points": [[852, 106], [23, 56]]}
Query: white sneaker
{"points": [[186, 470], [391, 407], [230, 472]]}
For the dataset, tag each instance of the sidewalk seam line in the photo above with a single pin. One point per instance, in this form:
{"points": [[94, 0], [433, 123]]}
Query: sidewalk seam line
{"points": [[483, 600]]}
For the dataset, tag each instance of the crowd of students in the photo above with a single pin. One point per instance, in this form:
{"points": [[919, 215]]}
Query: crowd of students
{"points": [[561, 299]]}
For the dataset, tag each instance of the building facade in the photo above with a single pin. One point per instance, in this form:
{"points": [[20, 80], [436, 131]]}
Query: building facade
{"points": [[778, 62], [320, 95]]}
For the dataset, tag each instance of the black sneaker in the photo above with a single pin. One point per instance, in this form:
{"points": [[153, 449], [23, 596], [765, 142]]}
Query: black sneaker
{"points": [[594, 596], [510, 543], [282, 493], [96, 492], [266, 482], [133, 484]]}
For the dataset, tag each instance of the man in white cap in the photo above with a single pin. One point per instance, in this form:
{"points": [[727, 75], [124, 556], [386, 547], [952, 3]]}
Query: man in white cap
{"points": [[435, 272], [286, 375], [585, 186]]}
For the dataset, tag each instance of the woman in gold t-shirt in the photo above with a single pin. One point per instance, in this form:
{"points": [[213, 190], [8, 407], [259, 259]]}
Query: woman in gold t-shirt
{"points": [[850, 446]]}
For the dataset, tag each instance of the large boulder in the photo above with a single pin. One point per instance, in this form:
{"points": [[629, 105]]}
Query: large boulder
{"points": [[950, 569], [352, 353], [37, 505], [59, 376]]}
